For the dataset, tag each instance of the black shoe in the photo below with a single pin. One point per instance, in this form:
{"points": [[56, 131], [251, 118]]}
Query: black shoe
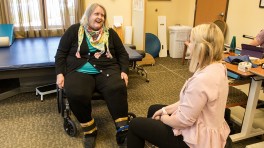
{"points": [[123, 145], [89, 140], [121, 138]]}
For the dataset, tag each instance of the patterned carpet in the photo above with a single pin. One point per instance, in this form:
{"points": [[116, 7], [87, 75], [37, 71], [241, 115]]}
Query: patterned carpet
{"points": [[26, 122]]}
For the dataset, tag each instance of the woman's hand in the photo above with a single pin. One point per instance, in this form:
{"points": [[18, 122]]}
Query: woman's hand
{"points": [[60, 80], [124, 77], [163, 117], [157, 115]]}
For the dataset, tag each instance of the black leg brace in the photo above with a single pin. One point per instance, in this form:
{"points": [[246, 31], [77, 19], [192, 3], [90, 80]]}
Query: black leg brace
{"points": [[89, 128], [121, 130]]}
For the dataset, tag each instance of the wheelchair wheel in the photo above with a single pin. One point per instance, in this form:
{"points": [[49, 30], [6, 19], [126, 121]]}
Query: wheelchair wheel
{"points": [[59, 93], [70, 127], [61, 101], [62, 104], [131, 116]]}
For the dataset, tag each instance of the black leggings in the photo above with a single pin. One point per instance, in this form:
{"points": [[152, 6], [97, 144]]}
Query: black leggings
{"points": [[154, 131], [79, 88]]}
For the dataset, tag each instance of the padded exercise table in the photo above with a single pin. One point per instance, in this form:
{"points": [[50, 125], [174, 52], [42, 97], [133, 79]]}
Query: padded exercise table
{"points": [[29, 63]]}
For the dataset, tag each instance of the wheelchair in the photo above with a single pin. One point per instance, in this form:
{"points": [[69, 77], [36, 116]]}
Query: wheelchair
{"points": [[65, 111]]}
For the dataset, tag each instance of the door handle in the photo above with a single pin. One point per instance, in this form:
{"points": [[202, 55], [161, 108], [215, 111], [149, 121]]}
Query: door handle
{"points": [[222, 14]]}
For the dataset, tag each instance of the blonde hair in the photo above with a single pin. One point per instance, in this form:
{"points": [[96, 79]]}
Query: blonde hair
{"points": [[206, 43], [88, 12]]}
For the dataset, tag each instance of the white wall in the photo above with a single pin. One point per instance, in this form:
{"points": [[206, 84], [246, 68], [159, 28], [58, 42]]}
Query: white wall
{"points": [[244, 17]]}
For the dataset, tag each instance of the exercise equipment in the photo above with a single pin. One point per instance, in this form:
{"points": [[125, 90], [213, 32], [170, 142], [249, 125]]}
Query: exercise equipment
{"points": [[152, 44]]}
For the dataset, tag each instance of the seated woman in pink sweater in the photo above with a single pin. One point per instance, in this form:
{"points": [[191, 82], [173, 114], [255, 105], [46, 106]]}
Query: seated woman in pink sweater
{"points": [[197, 119]]}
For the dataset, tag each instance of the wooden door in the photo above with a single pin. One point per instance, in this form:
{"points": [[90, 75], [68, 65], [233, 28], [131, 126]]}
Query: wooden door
{"points": [[210, 10]]}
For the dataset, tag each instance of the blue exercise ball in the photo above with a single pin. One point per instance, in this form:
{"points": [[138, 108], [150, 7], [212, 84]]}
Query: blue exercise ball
{"points": [[152, 44]]}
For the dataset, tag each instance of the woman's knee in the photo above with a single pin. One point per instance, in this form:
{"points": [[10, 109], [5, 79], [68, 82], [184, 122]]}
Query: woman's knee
{"points": [[135, 123], [117, 87], [78, 95]]}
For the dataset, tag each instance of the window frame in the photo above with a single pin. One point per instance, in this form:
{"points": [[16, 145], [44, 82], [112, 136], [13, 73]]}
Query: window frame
{"points": [[43, 13]]}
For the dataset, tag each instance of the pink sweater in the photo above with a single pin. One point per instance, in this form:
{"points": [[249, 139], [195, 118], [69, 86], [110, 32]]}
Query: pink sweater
{"points": [[199, 116]]}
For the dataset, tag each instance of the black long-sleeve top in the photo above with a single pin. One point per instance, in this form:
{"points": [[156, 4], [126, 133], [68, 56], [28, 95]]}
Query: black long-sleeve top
{"points": [[66, 61]]}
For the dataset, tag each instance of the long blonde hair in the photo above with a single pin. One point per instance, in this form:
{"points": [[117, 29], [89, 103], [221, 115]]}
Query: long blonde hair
{"points": [[206, 44]]}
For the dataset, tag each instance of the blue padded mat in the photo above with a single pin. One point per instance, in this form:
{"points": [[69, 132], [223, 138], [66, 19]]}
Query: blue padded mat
{"points": [[152, 45], [29, 53]]}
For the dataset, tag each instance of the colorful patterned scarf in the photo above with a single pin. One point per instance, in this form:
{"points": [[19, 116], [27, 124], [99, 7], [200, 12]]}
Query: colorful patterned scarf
{"points": [[98, 39]]}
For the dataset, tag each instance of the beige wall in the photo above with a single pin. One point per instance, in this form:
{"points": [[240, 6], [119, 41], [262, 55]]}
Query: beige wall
{"points": [[244, 16], [115, 8], [176, 12]]}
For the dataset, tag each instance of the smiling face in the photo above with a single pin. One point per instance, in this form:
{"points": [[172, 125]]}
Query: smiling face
{"points": [[97, 18]]}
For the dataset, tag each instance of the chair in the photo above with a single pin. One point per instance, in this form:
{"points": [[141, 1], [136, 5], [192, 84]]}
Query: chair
{"points": [[236, 97], [139, 68], [65, 111], [134, 63], [184, 51], [222, 25]]}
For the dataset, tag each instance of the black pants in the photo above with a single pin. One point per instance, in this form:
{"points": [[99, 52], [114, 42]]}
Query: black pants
{"points": [[79, 88], [154, 131]]}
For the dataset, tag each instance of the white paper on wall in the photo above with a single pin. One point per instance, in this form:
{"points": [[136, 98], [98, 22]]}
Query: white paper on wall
{"points": [[128, 34], [118, 21]]}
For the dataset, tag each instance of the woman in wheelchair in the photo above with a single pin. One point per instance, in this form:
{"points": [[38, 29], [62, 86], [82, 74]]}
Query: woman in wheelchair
{"points": [[91, 57], [197, 119]]}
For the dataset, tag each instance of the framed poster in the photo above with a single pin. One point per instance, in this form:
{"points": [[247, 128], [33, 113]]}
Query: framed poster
{"points": [[261, 3]]}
